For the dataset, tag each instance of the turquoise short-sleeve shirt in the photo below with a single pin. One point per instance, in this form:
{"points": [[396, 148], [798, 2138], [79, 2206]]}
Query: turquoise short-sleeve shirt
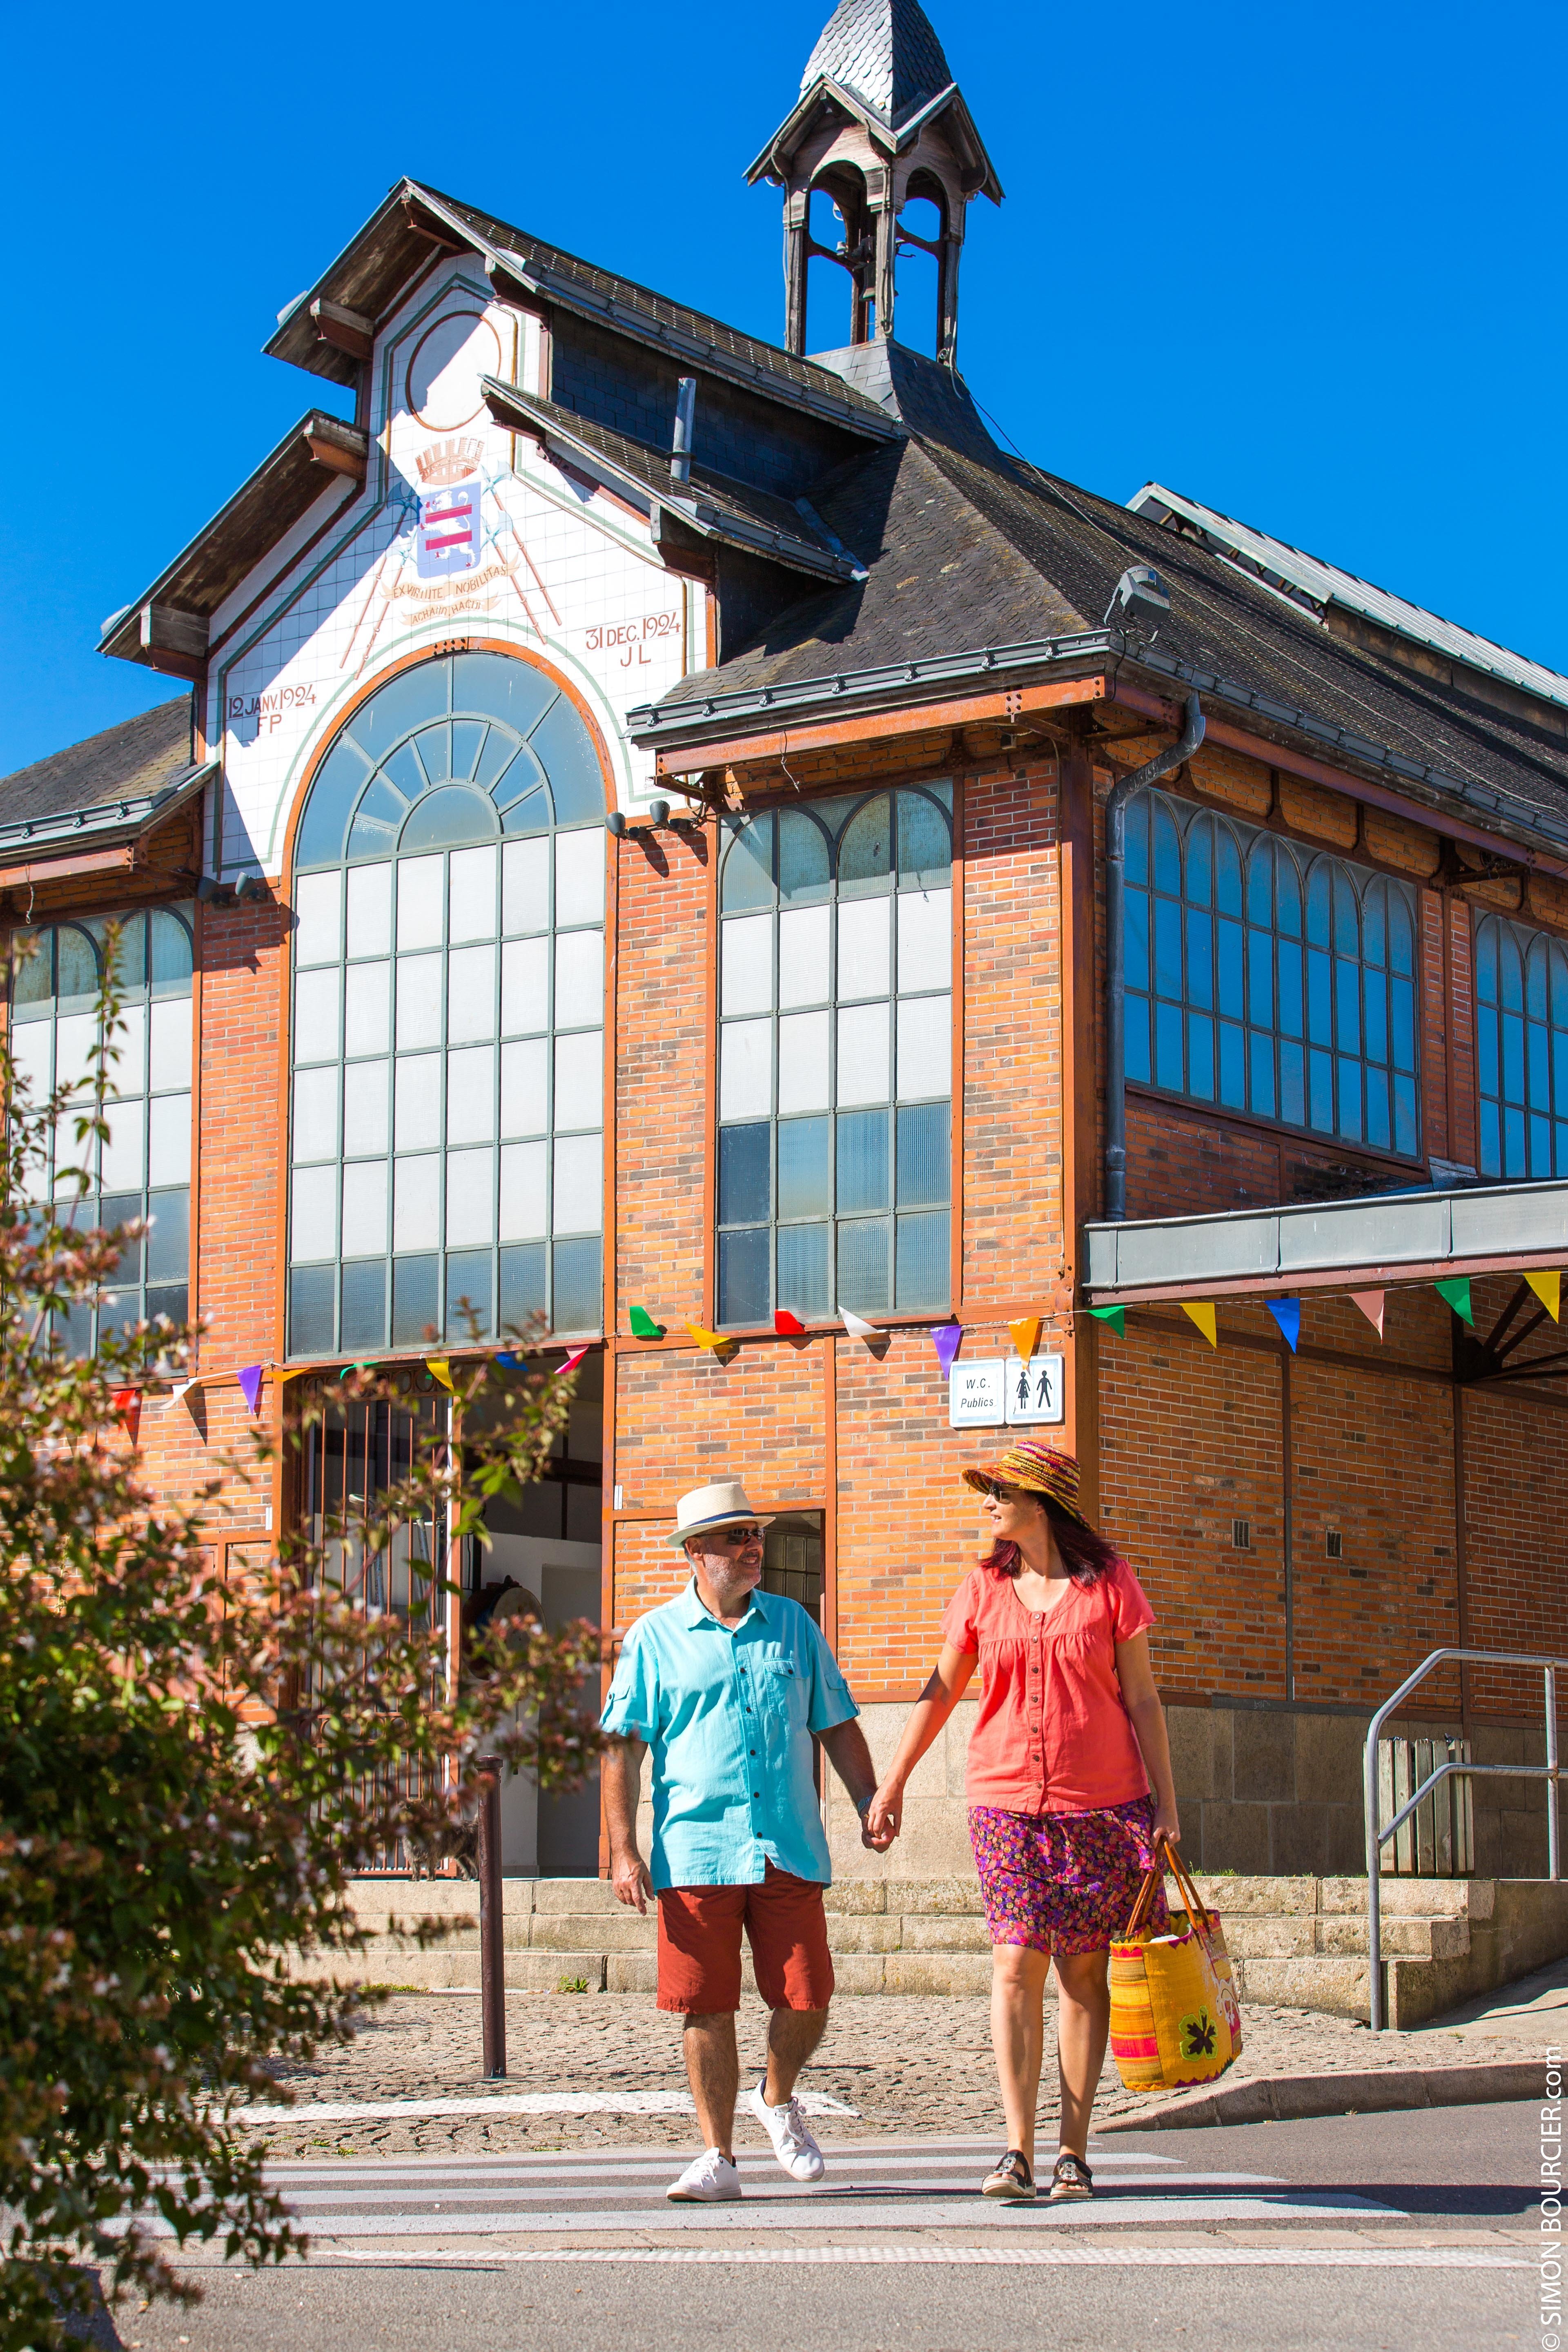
{"points": [[727, 1720]]}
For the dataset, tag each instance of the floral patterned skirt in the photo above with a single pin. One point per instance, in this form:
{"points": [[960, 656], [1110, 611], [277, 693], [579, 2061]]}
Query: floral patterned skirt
{"points": [[1064, 1882]]}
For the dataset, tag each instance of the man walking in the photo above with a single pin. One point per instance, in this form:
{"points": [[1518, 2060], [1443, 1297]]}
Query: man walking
{"points": [[728, 1686]]}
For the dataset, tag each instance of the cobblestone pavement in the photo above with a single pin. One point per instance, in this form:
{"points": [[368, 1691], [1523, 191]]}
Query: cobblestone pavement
{"points": [[905, 2065]]}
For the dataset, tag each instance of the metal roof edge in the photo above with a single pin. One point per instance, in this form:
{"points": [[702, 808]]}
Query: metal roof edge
{"points": [[130, 815]]}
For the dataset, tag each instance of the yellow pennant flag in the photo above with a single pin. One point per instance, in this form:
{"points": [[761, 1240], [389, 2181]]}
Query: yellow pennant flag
{"points": [[1548, 1289], [720, 1341], [1026, 1334], [1202, 1314], [439, 1369]]}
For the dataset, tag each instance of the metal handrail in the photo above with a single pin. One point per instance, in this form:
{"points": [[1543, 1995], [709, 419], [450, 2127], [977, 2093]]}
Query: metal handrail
{"points": [[1377, 1837]]}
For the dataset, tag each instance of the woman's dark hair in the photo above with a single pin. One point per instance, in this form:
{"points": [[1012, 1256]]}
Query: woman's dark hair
{"points": [[1085, 1556]]}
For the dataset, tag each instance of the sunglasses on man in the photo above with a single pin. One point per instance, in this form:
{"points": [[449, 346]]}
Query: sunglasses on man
{"points": [[738, 1536]]}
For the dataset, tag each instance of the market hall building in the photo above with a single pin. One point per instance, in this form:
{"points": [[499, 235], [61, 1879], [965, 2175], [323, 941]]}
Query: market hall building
{"points": [[684, 839]]}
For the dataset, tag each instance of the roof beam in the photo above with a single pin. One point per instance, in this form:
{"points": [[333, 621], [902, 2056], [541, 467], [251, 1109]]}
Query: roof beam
{"points": [[174, 641], [1007, 705], [427, 224], [339, 448], [346, 331]]}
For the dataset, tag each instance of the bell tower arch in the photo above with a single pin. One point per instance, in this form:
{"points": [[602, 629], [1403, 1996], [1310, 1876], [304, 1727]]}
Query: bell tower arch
{"points": [[880, 126]]}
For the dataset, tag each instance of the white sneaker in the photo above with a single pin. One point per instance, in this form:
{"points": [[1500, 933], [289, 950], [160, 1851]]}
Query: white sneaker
{"points": [[710, 2179], [790, 2134]]}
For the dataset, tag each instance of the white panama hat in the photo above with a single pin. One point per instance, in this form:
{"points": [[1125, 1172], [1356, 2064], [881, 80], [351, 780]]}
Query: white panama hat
{"points": [[707, 1507]]}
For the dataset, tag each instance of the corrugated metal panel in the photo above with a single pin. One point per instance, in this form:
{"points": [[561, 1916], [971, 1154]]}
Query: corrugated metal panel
{"points": [[1322, 583]]}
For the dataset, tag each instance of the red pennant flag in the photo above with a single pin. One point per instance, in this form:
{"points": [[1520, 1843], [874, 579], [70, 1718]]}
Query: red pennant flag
{"points": [[1371, 1303], [572, 1362], [790, 1325], [128, 1406]]}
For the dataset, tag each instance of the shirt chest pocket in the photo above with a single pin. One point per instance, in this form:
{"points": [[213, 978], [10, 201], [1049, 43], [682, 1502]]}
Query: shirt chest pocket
{"points": [[780, 1701]]}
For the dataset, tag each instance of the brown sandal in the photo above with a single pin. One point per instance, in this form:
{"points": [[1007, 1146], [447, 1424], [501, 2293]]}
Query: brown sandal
{"points": [[1071, 2177], [1010, 2177]]}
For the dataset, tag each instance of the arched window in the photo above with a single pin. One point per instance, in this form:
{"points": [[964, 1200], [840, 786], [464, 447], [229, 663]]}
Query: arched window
{"points": [[1263, 979], [1522, 1049], [835, 1057], [448, 1015], [145, 1169]]}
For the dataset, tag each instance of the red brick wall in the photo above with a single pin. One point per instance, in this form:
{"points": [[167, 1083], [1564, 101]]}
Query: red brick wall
{"points": [[239, 1162], [662, 1078]]}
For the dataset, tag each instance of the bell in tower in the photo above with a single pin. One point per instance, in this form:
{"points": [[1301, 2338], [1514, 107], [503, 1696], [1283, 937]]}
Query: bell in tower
{"points": [[881, 128]]}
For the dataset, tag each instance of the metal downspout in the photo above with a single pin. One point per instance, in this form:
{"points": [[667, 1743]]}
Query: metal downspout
{"points": [[1162, 766]]}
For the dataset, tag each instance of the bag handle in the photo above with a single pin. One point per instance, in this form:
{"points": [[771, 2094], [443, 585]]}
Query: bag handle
{"points": [[1145, 1897], [1196, 1908]]}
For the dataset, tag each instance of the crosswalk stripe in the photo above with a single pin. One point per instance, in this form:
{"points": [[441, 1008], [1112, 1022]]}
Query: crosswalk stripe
{"points": [[1289, 2257]]}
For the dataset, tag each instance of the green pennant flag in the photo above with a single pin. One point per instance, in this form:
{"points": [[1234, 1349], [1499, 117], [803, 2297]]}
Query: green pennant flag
{"points": [[1115, 1316], [644, 1327], [1457, 1291]]}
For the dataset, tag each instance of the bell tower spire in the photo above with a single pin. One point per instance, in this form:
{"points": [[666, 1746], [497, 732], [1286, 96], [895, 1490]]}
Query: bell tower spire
{"points": [[881, 125]]}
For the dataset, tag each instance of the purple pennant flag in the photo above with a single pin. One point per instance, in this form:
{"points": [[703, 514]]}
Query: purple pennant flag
{"points": [[945, 1339], [250, 1385], [1287, 1313]]}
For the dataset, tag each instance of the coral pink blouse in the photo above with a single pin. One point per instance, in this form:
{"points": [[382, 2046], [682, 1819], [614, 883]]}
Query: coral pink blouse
{"points": [[1053, 1735]]}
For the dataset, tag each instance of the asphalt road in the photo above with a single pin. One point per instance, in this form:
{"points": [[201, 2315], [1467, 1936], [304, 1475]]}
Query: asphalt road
{"points": [[1374, 2234]]}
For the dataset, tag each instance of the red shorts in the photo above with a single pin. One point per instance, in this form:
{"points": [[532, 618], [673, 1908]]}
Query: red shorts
{"points": [[700, 1945]]}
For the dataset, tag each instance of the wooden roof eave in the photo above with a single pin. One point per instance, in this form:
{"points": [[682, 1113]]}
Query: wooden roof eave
{"points": [[166, 627], [94, 841]]}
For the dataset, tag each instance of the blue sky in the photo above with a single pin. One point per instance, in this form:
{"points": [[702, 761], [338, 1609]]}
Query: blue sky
{"points": [[1302, 263]]}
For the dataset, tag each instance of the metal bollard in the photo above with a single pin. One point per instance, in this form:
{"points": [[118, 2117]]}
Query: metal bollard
{"points": [[492, 1958]]}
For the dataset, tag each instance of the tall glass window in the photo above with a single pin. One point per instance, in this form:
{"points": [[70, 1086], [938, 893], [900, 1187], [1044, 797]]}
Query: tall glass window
{"points": [[1263, 979], [1522, 1049], [448, 1016], [145, 1169], [835, 1057]]}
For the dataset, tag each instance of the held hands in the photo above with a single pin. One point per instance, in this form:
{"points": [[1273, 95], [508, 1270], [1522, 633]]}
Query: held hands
{"points": [[883, 1818], [629, 1876]]}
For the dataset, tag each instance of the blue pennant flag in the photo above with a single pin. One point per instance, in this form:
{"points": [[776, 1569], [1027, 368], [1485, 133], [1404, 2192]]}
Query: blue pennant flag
{"points": [[1287, 1313]]}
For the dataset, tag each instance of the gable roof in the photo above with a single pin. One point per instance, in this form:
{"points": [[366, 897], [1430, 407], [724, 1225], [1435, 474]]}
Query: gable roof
{"points": [[110, 787], [979, 563]]}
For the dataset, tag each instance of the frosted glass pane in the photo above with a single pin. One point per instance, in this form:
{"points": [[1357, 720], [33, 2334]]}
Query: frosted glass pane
{"points": [[315, 1214], [316, 1114], [470, 1199], [365, 1209], [318, 907], [169, 1140], [580, 1080], [76, 1033], [524, 1192], [803, 1061], [863, 944], [863, 1038], [525, 886], [417, 1122], [128, 1076], [580, 980], [32, 1047], [747, 948], [745, 1069], [419, 894], [803, 934], [418, 1001], [370, 909], [471, 892], [365, 1106], [925, 1047], [316, 1016], [925, 938], [367, 1007], [169, 1045], [525, 1087], [123, 1156], [579, 1184], [470, 995], [417, 1203], [524, 987], [579, 878], [471, 1095]]}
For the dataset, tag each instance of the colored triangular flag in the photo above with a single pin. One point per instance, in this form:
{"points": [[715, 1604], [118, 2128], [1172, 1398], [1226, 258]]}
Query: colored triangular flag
{"points": [[1371, 1303], [790, 1325], [720, 1342], [569, 1364], [1287, 1313], [440, 1368], [1115, 1316], [181, 1392], [127, 1404], [1548, 1289], [1026, 1335], [1457, 1291], [857, 1327], [644, 1327], [945, 1339], [1201, 1312], [250, 1386]]}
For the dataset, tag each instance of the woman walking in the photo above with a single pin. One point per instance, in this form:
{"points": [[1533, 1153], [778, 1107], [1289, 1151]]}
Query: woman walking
{"points": [[1068, 1738]]}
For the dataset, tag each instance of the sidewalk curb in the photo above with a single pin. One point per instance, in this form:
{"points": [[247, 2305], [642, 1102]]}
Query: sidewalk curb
{"points": [[1287, 2098]]}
